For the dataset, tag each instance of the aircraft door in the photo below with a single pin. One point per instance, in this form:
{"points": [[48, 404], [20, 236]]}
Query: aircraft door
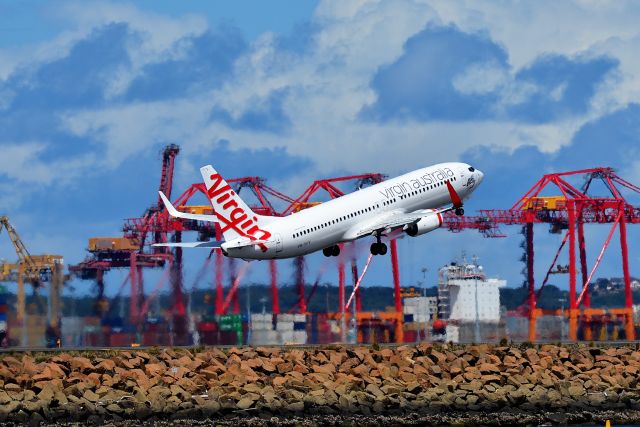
{"points": [[278, 242]]}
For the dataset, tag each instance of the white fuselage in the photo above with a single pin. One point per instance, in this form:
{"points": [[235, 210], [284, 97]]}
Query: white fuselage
{"points": [[339, 220]]}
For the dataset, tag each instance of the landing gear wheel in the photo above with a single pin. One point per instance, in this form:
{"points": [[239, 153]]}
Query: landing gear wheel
{"points": [[382, 249], [327, 251], [335, 250], [459, 211], [374, 249]]}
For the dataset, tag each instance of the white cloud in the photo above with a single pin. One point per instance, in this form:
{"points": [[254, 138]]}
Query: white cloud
{"points": [[23, 164], [328, 85], [481, 78]]}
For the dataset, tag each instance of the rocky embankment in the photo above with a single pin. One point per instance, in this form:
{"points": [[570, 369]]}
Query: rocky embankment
{"points": [[478, 384]]}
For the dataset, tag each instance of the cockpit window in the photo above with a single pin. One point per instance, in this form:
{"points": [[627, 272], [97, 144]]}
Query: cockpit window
{"points": [[471, 168]]}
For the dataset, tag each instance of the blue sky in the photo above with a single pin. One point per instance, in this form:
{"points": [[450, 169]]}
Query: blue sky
{"points": [[293, 91]]}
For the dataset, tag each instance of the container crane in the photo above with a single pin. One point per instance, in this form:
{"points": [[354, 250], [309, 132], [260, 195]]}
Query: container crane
{"points": [[34, 269]]}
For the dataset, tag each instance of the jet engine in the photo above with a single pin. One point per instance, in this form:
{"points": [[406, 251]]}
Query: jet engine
{"points": [[426, 224]]}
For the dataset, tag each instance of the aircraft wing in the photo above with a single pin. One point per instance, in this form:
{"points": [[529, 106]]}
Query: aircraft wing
{"points": [[395, 220], [392, 221]]}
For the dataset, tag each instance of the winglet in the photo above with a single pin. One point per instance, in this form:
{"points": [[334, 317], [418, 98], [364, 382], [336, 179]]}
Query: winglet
{"points": [[177, 214], [455, 198], [167, 204]]}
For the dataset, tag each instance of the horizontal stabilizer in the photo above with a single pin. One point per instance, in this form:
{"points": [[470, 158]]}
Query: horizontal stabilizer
{"points": [[177, 214], [213, 244]]}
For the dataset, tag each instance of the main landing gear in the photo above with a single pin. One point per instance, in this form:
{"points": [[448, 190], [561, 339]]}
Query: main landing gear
{"points": [[378, 248], [331, 251], [459, 211]]}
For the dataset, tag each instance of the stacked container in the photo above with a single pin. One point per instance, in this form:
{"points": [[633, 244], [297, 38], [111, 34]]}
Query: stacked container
{"points": [[31, 333], [419, 309], [71, 329], [292, 328], [262, 332], [284, 326], [156, 332], [208, 331], [322, 333], [230, 326], [299, 329]]}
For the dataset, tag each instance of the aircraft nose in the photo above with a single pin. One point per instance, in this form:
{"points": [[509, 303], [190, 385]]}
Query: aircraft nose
{"points": [[480, 176]]}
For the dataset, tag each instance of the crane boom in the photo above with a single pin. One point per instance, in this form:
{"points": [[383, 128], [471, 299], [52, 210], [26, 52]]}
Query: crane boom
{"points": [[34, 269], [21, 250]]}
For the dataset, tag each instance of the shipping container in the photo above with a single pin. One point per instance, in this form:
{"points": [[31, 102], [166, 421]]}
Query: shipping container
{"points": [[100, 244], [410, 336], [207, 327], [265, 338], [260, 317], [325, 338], [284, 326], [94, 339], [156, 339], [230, 337], [261, 326], [285, 318], [230, 322], [300, 337], [121, 339], [209, 337]]}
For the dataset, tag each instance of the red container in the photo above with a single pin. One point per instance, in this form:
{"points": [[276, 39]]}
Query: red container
{"points": [[209, 338], [93, 339], [150, 338], [410, 336], [156, 339], [228, 338], [121, 339], [207, 327], [325, 338]]}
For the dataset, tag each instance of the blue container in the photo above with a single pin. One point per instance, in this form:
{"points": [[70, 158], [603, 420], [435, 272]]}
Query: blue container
{"points": [[114, 322], [299, 326], [408, 318], [3, 317], [154, 320]]}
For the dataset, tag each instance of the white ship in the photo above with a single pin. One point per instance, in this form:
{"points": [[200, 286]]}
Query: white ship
{"points": [[465, 294]]}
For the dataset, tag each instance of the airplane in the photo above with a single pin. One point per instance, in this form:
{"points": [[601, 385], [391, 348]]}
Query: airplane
{"points": [[412, 203]]}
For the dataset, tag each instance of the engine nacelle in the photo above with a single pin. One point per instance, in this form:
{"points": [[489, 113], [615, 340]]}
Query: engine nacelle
{"points": [[426, 224]]}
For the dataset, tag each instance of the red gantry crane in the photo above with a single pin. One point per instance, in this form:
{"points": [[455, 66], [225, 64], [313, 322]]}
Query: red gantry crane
{"points": [[570, 209]]}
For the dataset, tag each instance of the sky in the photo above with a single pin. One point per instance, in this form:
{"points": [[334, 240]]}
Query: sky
{"points": [[295, 91]]}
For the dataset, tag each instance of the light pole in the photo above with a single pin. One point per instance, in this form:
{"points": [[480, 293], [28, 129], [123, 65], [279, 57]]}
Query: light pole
{"points": [[426, 306], [475, 275], [562, 333]]}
